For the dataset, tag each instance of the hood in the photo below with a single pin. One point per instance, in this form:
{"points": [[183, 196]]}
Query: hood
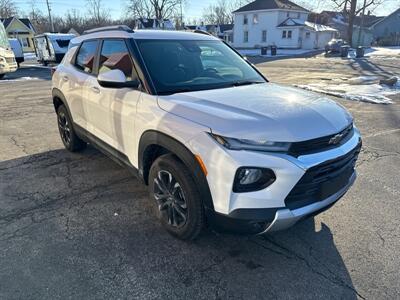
{"points": [[260, 111]]}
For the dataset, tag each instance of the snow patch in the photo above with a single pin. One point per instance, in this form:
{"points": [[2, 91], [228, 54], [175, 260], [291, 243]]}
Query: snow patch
{"points": [[383, 51], [364, 89], [19, 79]]}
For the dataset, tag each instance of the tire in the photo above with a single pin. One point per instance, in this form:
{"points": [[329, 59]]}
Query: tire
{"points": [[68, 136], [2, 76], [177, 202]]}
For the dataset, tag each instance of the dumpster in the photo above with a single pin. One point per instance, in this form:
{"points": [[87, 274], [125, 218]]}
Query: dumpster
{"points": [[264, 50], [360, 52], [273, 50], [344, 51]]}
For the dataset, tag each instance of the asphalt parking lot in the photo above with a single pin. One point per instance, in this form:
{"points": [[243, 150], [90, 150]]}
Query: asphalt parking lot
{"points": [[78, 226]]}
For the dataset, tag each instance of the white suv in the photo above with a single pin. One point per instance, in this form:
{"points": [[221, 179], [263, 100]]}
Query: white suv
{"points": [[215, 141]]}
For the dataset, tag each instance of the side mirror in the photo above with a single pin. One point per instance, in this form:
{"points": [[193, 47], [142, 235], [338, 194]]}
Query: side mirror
{"points": [[116, 79]]}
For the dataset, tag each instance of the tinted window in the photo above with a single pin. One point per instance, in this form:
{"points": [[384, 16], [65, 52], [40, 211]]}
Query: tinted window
{"points": [[85, 58], [115, 55], [185, 65]]}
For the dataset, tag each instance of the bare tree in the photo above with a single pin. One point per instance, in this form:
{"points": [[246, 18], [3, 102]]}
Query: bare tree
{"points": [[221, 12], [8, 9], [37, 18], [159, 9], [352, 8], [98, 14], [73, 19]]}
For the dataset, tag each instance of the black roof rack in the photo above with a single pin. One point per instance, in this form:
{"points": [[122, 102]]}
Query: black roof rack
{"points": [[109, 28], [202, 32]]}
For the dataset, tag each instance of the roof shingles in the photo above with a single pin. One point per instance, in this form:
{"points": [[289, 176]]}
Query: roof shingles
{"points": [[271, 4]]}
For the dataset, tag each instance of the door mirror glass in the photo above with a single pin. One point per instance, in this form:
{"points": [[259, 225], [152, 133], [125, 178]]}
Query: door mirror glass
{"points": [[115, 79]]}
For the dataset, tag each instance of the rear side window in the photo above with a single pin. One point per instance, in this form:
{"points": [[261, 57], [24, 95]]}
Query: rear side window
{"points": [[115, 55], [85, 58]]}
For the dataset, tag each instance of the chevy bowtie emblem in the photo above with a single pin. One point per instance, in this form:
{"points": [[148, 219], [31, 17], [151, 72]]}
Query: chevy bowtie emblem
{"points": [[336, 139]]}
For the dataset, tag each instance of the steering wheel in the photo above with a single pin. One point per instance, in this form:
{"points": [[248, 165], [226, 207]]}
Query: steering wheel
{"points": [[211, 72]]}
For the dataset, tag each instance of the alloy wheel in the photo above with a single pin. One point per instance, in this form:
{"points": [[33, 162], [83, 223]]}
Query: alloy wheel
{"points": [[64, 128], [170, 199]]}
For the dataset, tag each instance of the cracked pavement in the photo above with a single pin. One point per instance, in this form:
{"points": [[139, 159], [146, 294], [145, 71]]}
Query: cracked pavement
{"points": [[78, 226]]}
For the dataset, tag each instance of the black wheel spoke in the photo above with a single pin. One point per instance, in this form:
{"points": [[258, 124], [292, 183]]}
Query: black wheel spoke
{"points": [[181, 212], [170, 199], [65, 130]]}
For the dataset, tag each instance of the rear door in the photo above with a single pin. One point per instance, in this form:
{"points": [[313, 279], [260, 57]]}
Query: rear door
{"points": [[74, 79], [112, 110]]}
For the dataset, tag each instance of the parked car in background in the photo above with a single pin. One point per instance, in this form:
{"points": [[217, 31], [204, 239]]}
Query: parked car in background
{"points": [[7, 58], [215, 141], [17, 49], [334, 46], [51, 47]]}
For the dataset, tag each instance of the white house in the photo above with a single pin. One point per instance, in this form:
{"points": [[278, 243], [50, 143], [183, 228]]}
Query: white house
{"points": [[278, 22]]}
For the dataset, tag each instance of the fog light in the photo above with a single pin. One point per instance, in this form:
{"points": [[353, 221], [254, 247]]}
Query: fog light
{"points": [[250, 179], [248, 176]]}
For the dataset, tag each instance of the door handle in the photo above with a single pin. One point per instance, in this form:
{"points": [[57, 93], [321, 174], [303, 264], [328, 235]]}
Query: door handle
{"points": [[95, 89], [65, 78]]}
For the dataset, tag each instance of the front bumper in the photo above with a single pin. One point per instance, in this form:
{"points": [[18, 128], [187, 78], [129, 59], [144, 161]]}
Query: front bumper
{"points": [[8, 68], [286, 218], [269, 209]]}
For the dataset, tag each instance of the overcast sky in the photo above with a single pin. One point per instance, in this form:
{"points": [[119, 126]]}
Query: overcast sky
{"points": [[193, 9]]}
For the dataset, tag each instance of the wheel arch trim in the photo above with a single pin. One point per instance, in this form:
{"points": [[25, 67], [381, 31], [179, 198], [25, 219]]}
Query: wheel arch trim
{"points": [[57, 94], [156, 138]]}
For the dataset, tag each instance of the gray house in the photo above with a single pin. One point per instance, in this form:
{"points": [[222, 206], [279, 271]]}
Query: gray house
{"points": [[386, 31]]}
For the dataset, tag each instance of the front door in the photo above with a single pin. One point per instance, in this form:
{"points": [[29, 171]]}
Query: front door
{"points": [[112, 110]]}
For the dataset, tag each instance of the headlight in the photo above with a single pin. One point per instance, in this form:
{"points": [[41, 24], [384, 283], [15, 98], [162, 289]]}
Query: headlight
{"points": [[244, 144]]}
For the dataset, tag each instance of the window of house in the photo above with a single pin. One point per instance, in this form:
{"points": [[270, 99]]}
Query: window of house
{"points": [[298, 15], [284, 34], [308, 34], [85, 58], [245, 20], [246, 37], [289, 34], [264, 36], [115, 56], [255, 19], [287, 14]]}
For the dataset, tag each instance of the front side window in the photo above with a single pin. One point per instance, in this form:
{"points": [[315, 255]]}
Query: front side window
{"points": [[191, 65], [245, 37], [85, 58], [115, 55]]}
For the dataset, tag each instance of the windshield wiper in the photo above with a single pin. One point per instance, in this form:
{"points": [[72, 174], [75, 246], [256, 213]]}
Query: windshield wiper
{"points": [[247, 82], [177, 91]]}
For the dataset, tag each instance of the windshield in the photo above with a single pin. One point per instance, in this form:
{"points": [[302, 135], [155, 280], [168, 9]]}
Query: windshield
{"points": [[3, 37], [184, 65]]}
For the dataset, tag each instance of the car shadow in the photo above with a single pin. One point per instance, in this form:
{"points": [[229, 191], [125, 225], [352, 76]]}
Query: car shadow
{"points": [[85, 217], [28, 71]]}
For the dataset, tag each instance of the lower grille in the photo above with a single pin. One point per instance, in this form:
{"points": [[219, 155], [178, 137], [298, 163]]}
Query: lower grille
{"points": [[10, 60], [323, 181]]}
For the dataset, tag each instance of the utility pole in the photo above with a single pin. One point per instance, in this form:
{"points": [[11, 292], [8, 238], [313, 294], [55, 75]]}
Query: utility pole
{"points": [[50, 19], [181, 25]]}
